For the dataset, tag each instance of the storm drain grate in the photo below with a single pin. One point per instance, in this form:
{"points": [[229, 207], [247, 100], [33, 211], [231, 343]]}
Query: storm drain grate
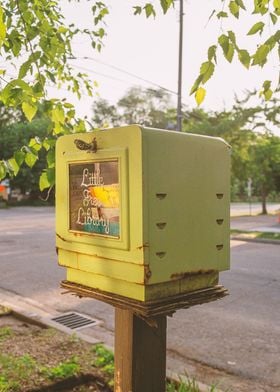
{"points": [[75, 320]]}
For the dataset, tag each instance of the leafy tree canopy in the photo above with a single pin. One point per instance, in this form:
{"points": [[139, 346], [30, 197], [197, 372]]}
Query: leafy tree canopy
{"points": [[35, 36], [229, 44], [149, 107]]}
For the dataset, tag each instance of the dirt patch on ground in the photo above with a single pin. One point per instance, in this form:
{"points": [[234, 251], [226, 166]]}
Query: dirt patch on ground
{"points": [[33, 358]]}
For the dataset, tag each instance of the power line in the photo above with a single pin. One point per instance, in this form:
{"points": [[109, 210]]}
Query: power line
{"points": [[127, 73], [180, 63], [100, 74]]}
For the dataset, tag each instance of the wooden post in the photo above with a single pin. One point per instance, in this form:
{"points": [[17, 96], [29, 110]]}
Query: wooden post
{"points": [[140, 353]]}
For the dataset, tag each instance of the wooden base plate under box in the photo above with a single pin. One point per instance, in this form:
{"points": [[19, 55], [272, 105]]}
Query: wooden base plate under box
{"points": [[149, 309]]}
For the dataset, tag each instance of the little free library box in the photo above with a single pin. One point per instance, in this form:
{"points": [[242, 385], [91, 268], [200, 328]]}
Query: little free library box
{"points": [[142, 213]]}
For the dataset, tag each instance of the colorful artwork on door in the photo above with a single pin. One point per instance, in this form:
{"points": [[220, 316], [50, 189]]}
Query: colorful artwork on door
{"points": [[94, 198]]}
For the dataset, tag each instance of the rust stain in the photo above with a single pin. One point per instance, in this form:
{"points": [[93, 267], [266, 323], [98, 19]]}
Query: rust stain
{"points": [[143, 246], [182, 275], [147, 273], [59, 236]]}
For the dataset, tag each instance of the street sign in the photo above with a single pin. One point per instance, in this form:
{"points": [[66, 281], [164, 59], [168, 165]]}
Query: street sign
{"points": [[249, 187]]}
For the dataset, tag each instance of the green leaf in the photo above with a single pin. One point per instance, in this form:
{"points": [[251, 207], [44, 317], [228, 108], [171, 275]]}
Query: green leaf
{"points": [[260, 57], [12, 92], [51, 158], [2, 27], [149, 9], [232, 37], [272, 41], [212, 53], [260, 7], [222, 14], [51, 176], [51, 76], [43, 181], [19, 157], [3, 171], [29, 109], [137, 10], [30, 159], [101, 32], [46, 145], [206, 71], [58, 128], [244, 57], [62, 29], [258, 27], [273, 18], [268, 94], [58, 115], [14, 166], [230, 53], [35, 144], [234, 8], [196, 84], [241, 4], [165, 5], [276, 4], [200, 95], [266, 84], [224, 43], [24, 69]]}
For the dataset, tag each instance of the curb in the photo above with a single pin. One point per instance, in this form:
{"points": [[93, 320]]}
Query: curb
{"points": [[250, 239], [26, 309]]}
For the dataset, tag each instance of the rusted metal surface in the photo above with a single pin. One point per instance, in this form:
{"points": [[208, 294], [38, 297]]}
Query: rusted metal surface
{"points": [[147, 274], [182, 275], [143, 246], [60, 237]]}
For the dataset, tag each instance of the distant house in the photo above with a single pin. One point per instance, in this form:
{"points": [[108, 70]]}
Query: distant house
{"points": [[4, 190]]}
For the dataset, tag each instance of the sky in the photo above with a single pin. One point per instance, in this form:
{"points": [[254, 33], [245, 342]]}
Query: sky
{"points": [[148, 49]]}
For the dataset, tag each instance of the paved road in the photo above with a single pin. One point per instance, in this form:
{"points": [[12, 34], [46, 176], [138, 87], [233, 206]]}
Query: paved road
{"points": [[236, 339], [238, 209]]}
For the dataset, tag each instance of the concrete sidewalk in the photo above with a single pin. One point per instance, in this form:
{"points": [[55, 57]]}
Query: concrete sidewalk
{"points": [[263, 223]]}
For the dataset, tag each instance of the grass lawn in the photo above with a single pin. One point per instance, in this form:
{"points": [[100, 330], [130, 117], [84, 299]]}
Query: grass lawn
{"points": [[255, 234], [37, 359]]}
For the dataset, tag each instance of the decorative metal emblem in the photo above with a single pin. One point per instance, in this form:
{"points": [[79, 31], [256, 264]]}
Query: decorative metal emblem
{"points": [[89, 147]]}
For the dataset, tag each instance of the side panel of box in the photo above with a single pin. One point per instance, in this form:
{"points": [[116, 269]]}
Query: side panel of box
{"points": [[186, 205]]}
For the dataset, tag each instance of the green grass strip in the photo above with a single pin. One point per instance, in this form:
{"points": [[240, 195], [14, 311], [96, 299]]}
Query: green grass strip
{"points": [[256, 234]]}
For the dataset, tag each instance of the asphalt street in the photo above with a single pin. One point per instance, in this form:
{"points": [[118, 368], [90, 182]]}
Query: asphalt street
{"points": [[235, 340], [238, 209], [264, 223]]}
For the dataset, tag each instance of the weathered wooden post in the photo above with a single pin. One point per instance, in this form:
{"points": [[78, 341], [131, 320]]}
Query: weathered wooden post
{"points": [[143, 224]]}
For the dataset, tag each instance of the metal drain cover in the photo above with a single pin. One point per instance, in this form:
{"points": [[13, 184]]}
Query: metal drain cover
{"points": [[75, 320]]}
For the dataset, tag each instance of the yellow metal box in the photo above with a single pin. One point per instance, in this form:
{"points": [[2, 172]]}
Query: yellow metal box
{"points": [[142, 213]]}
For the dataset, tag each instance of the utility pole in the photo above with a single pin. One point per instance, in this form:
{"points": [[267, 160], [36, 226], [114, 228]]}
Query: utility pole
{"points": [[179, 101]]}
